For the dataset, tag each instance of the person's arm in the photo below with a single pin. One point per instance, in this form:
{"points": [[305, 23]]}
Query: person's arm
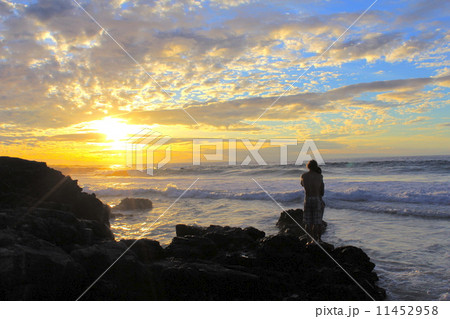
{"points": [[301, 181]]}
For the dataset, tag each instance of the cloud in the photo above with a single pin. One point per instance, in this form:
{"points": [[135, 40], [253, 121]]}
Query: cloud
{"points": [[418, 120], [226, 62], [329, 145], [231, 3], [46, 9], [422, 10], [289, 107], [77, 137], [370, 47]]}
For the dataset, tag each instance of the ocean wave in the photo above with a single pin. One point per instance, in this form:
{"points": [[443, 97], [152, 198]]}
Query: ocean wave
{"points": [[417, 193], [355, 194], [174, 191], [368, 167], [385, 197]]}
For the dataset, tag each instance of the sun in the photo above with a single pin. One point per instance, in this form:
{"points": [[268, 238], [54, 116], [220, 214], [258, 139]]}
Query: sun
{"points": [[113, 128], [116, 130]]}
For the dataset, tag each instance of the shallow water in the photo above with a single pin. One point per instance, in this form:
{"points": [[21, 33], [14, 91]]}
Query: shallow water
{"points": [[411, 253]]}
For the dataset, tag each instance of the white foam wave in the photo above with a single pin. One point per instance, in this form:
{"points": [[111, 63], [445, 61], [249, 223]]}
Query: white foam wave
{"points": [[390, 197]]}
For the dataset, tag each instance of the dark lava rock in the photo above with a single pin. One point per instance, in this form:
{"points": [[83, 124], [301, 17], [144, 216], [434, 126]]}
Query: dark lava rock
{"points": [[134, 204], [180, 280], [146, 250], [281, 244], [225, 237], [33, 184], [191, 247], [289, 221], [61, 228], [38, 271], [184, 230], [353, 256], [126, 279], [254, 233]]}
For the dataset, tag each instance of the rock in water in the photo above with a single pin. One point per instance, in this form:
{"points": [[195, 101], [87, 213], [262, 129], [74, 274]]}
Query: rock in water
{"points": [[289, 221], [134, 204]]}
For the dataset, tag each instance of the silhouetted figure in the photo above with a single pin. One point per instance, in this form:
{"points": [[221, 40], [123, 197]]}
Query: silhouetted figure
{"points": [[314, 206]]}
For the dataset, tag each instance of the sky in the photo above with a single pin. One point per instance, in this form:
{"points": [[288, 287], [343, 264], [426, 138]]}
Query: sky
{"points": [[78, 78]]}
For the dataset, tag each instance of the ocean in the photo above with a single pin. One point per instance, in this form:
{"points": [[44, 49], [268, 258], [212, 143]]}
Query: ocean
{"points": [[395, 209]]}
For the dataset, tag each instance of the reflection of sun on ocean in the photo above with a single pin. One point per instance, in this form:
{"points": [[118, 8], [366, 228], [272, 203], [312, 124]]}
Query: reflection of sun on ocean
{"points": [[116, 130]]}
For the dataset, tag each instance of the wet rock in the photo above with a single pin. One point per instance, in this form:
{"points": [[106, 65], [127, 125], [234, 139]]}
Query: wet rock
{"points": [[353, 256], [254, 233], [184, 230], [133, 204], [225, 237], [290, 222], [281, 244], [146, 250], [191, 247], [238, 258], [230, 238]]}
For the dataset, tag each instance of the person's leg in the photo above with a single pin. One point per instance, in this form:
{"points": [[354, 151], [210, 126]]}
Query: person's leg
{"points": [[310, 230], [321, 228], [315, 232], [317, 220], [318, 231]]}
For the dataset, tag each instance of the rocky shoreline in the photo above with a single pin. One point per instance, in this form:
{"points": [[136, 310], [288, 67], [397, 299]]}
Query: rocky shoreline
{"points": [[56, 241]]}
